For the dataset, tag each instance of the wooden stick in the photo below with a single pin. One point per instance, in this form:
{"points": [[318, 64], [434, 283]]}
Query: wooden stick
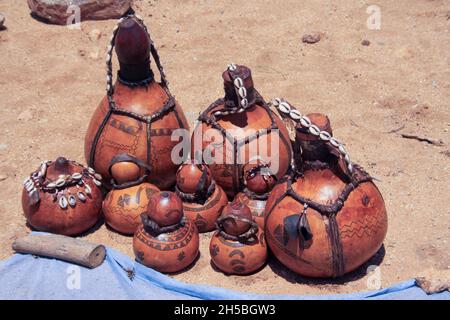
{"points": [[427, 140], [63, 248]]}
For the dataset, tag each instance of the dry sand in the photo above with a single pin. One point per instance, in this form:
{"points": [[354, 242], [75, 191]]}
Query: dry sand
{"points": [[51, 79]]}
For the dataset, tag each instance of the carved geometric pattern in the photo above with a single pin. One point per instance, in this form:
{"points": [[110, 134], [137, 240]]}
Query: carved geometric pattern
{"points": [[181, 256], [215, 250], [368, 226], [166, 242], [124, 200]]}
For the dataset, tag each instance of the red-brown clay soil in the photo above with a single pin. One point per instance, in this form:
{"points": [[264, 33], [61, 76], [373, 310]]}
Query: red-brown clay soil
{"points": [[52, 78]]}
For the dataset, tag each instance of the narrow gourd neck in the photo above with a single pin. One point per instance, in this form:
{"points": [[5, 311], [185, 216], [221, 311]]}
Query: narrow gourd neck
{"points": [[136, 73]]}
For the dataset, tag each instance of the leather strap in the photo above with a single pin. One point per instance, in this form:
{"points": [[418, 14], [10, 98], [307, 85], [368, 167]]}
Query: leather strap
{"points": [[246, 237], [195, 197], [153, 228], [124, 157]]}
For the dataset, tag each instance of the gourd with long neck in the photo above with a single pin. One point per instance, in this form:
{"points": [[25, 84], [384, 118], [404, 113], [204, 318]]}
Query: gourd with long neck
{"points": [[138, 114]]}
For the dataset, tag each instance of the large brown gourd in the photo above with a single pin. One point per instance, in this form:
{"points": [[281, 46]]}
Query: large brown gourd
{"points": [[243, 129], [330, 217], [138, 115], [62, 197]]}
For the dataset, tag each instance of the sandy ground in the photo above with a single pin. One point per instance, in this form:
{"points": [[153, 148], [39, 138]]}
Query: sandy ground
{"points": [[51, 79]]}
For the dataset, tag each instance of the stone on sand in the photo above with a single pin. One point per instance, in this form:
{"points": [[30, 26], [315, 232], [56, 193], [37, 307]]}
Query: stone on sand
{"points": [[2, 20], [434, 281], [58, 11], [311, 37]]}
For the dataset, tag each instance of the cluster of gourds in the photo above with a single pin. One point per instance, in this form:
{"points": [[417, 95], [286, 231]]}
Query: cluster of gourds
{"points": [[320, 214]]}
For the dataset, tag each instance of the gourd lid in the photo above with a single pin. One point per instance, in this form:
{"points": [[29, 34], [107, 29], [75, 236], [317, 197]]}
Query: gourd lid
{"points": [[231, 87], [320, 120], [239, 219], [61, 166], [192, 177], [258, 178], [165, 208]]}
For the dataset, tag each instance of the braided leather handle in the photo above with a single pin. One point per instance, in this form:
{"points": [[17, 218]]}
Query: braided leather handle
{"points": [[109, 54]]}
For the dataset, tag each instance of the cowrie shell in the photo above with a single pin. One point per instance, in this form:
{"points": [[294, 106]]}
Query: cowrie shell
{"points": [[77, 176], [232, 67], [63, 202], [60, 182], [81, 196], [72, 201], [243, 92], [238, 82], [295, 114], [347, 158], [51, 185], [88, 190], [325, 136], [276, 101], [314, 130], [284, 107], [305, 122], [334, 142]]}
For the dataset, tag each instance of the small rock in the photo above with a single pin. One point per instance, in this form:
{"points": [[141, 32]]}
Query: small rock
{"points": [[81, 52], [3, 176], [25, 116], [434, 281], [365, 43], [312, 37], [2, 20], [95, 35], [56, 11]]}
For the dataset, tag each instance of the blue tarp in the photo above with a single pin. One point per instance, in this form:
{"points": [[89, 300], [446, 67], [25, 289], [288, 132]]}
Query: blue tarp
{"points": [[29, 277]]}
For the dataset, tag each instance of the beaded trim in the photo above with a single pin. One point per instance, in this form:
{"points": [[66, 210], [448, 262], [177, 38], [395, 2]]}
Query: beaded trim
{"points": [[38, 182]]}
